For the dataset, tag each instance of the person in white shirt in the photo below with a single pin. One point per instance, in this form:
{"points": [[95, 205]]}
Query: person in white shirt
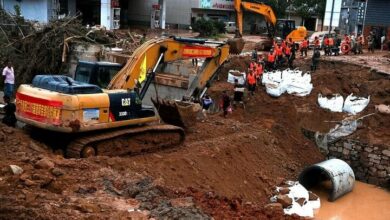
{"points": [[9, 80], [383, 38]]}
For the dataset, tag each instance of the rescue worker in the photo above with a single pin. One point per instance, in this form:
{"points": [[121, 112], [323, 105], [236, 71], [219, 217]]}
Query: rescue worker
{"points": [[251, 81], [317, 43], [303, 47], [239, 90], [259, 72], [315, 59], [360, 43], [279, 56], [225, 104], [290, 42], [370, 40], [326, 46], [9, 109], [206, 103], [271, 60], [331, 45], [291, 58]]}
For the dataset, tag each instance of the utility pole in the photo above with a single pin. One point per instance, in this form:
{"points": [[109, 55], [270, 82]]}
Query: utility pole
{"points": [[331, 17]]}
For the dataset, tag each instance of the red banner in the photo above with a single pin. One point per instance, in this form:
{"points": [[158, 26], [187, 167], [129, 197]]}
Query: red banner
{"points": [[197, 51], [38, 109]]}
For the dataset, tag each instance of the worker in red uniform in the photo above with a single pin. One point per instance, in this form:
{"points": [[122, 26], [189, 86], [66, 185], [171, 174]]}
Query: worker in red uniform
{"points": [[279, 56], [259, 72], [317, 43], [251, 80], [271, 60], [303, 47], [326, 46]]}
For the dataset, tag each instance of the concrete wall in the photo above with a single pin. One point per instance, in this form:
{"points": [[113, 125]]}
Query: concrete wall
{"points": [[31, 10], [371, 163], [72, 7]]}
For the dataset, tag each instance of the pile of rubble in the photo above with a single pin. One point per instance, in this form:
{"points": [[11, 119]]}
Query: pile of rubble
{"points": [[43, 49]]}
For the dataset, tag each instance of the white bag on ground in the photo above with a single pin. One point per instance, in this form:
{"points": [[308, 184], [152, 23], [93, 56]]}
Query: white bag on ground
{"points": [[334, 104], [290, 81], [235, 74], [354, 104]]}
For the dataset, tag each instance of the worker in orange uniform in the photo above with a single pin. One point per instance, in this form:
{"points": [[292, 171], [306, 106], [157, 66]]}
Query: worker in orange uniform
{"points": [[317, 43], [251, 80], [303, 47], [259, 72], [271, 60], [279, 56], [326, 46]]}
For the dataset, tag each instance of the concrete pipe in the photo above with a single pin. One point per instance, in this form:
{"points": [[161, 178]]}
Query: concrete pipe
{"points": [[337, 171]]}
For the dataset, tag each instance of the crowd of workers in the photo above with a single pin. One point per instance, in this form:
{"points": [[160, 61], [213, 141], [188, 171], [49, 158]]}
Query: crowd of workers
{"points": [[283, 54]]}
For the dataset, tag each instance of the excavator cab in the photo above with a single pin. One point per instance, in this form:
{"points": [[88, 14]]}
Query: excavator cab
{"points": [[284, 27]]}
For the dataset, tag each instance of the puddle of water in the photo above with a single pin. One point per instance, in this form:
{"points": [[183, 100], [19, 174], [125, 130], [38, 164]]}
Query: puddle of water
{"points": [[365, 202]]}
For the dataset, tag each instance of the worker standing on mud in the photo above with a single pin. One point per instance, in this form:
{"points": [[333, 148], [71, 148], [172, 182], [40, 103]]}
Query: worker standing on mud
{"points": [[326, 46], [9, 80], [279, 56], [315, 59], [239, 90], [303, 47], [271, 60], [251, 80], [206, 103], [9, 109], [370, 40], [225, 103], [291, 58]]}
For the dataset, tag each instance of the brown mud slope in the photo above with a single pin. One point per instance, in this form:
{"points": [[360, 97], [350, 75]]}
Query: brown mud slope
{"points": [[225, 169]]}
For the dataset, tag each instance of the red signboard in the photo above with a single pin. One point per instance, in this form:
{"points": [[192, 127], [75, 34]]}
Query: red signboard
{"points": [[38, 109], [197, 51]]}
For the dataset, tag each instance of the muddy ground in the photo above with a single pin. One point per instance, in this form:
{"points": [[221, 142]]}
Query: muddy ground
{"points": [[225, 169]]}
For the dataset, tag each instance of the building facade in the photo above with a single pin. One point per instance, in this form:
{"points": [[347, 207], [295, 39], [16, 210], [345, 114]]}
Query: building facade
{"points": [[377, 19]]}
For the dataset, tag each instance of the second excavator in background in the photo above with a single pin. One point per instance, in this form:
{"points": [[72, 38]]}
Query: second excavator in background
{"points": [[281, 28]]}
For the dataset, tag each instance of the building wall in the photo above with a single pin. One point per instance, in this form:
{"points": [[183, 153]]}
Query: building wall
{"points": [[32, 9], [378, 13]]}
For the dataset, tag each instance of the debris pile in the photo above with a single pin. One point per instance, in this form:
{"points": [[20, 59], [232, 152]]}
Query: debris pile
{"points": [[295, 199]]}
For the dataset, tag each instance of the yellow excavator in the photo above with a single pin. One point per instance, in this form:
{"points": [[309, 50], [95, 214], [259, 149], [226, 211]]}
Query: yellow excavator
{"points": [[113, 121], [283, 28]]}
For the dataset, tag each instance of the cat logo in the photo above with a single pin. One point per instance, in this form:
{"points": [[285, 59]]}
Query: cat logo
{"points": [[126, 102]]}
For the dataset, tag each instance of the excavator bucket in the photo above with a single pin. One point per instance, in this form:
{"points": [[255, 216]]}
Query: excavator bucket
{"points": [[236, 45], [178, 113]]}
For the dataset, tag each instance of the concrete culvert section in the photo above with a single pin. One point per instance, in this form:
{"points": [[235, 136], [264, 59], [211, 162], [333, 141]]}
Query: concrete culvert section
{"points": [[338, 172]]}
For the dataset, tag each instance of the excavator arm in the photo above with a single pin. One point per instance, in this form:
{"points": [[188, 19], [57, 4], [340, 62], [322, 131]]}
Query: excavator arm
{"points": [[258, 8], [140, 70], [237, 43], [146, 58]]}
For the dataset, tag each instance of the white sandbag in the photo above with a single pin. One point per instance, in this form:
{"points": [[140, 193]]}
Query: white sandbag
{"points": [[235, 74], [290, 81], [275, 89], [354, 104], [334, 104]]}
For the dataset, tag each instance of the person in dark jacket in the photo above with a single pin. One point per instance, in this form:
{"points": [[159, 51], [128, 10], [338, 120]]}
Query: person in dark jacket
{"points": [[9, 109], [225, 103], [315, 59]]}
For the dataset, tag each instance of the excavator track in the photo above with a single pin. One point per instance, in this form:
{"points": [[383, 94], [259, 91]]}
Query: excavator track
{"points": [[127, 141]]}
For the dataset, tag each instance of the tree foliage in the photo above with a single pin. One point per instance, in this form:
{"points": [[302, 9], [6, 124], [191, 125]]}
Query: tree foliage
{"points": [[209, 28], [308, 8]]}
